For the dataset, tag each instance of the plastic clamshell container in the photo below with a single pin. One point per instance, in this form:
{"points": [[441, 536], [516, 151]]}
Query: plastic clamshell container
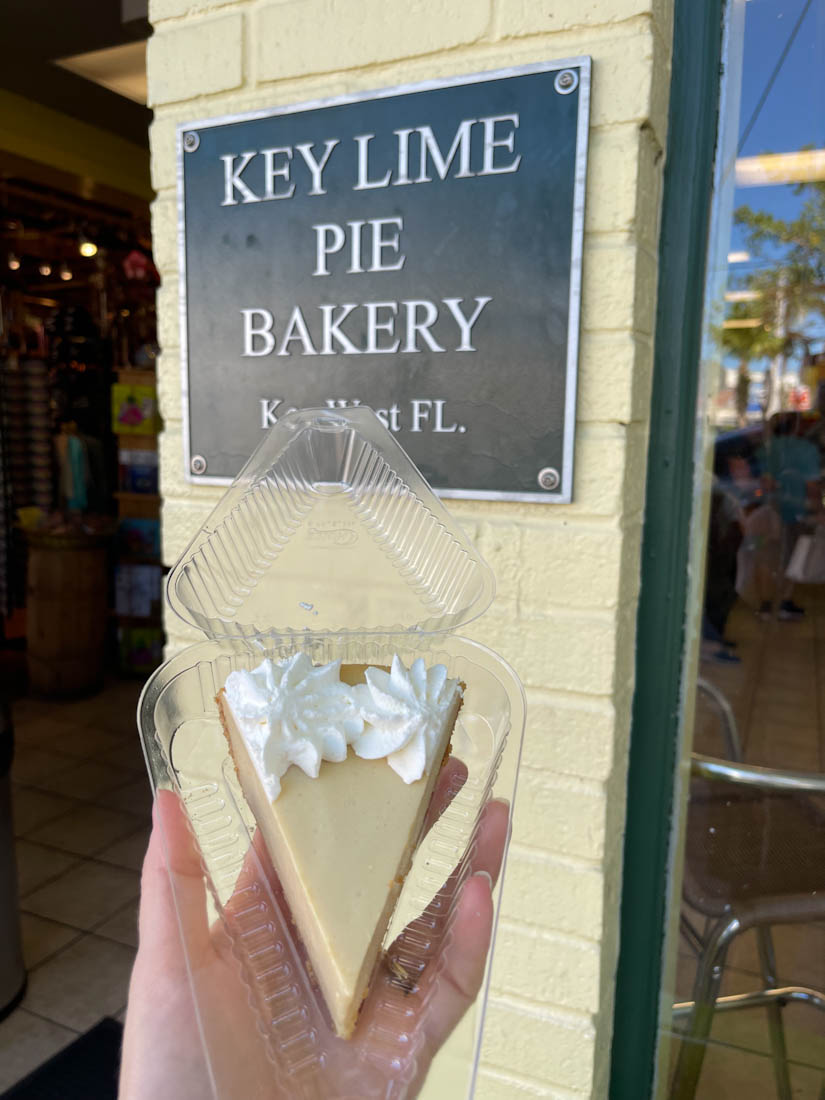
{"points": [[329, 543], [337, 491]]}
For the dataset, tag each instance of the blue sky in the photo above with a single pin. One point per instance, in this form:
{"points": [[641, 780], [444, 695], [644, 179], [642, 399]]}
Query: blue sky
{"points": [[793, 115]]}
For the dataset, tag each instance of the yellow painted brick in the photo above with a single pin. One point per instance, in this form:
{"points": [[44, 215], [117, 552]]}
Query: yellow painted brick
{"points": [[546, 967], [612, 176], [560, 651], [569, 565], [162, 149], [174, 485], [165, 236], [560, 815], [572, 735], [197, 58], [618, 285], [500, 545], [616, 100], [660, 85], [558, 894], [615, 374], [289, 43], [624, 174], [178, 634], [602, 456], [557, 1047], [170, 9], [493, 1084], [630, 579], [649, 179], [181, 522], [168, 317], [522, 17], [170, 390], [617, 52], [633, 489]]}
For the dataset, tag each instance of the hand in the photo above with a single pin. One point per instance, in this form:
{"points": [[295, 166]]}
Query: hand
{"points": [[163, 1052]]}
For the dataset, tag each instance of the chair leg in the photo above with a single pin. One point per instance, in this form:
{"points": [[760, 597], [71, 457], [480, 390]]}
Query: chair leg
{"points": [[705, 992], [776, 1027], [691, 934]]}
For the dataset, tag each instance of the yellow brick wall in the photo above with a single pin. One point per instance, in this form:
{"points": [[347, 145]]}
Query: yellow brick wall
{"points": [[568, 576]]}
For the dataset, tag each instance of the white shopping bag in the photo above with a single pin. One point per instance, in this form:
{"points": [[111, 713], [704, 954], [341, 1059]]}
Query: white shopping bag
{"points": [[807, 564]]}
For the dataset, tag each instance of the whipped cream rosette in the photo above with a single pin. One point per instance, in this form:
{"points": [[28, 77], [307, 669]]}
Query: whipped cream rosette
{"points": [[298, 713], [404, 713], [293, 713]]}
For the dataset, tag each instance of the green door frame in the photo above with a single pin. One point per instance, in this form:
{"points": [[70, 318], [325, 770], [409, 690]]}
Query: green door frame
{"points": [[692, 130]]}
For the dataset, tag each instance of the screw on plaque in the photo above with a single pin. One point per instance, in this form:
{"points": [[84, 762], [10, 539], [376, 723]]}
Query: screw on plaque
{"points": [[198, 464], [549, 478], [191, 140], [566, 82]]}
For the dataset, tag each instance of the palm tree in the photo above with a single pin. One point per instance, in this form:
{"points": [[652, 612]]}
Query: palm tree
{"points": [[788, 289], [746, 336]]}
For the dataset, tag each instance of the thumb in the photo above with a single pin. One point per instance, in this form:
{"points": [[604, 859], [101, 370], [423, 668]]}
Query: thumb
{"points": [[173, 893]]}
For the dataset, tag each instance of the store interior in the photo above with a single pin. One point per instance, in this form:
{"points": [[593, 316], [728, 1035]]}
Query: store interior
{"points": [[79, 446], [80, 572]]}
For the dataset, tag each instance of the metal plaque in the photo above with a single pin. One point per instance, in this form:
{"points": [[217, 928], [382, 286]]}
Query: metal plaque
{"points": [[417, 250]]}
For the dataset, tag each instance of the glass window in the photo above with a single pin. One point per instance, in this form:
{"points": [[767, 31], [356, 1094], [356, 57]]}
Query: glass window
{"points": [[744, 1012]]}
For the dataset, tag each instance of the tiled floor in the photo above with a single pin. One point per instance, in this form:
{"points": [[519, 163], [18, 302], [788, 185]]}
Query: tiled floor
{"points": [[777, 693], [82, 805]]}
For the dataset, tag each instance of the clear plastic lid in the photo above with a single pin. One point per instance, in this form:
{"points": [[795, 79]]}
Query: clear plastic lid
{"points": [[329, 527]]}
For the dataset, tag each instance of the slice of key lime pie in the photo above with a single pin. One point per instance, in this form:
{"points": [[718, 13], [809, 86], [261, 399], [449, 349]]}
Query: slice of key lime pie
{"points": [[338, 764]]}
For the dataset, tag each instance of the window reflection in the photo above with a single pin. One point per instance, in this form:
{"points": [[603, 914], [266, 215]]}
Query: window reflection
{"points": [[749, 1018]]}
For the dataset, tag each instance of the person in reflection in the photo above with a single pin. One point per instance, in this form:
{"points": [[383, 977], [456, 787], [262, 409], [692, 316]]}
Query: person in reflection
{"points": [[163, 1052], [792, 475], [724, 540]]}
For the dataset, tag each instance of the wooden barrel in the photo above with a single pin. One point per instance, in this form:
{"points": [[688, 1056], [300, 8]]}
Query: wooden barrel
{"points": [[66, 613]]}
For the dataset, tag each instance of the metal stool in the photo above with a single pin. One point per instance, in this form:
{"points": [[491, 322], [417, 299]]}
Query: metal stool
{"points": [[754, 857]]}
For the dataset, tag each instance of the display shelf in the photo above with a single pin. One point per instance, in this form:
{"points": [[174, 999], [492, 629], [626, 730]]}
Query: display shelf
{"points": [[136, 376], [146, 441]]}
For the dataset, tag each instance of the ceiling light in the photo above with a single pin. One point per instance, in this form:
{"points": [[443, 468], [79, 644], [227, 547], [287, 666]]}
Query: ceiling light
{"points": [[769, 169], [14, 262], [45, 269], [65, 272], [738, 257], [742, 296], [742, 322], [87, 248]]}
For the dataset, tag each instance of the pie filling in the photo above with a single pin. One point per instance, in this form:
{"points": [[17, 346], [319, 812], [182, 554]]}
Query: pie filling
{"points": [[338, 764]]}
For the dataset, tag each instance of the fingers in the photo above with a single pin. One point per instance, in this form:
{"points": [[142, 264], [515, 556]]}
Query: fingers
{"points": [[451, 779], [487, 853], [171, 861], [171, 889], [491, 839], [464, 960], [452, 980]]}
